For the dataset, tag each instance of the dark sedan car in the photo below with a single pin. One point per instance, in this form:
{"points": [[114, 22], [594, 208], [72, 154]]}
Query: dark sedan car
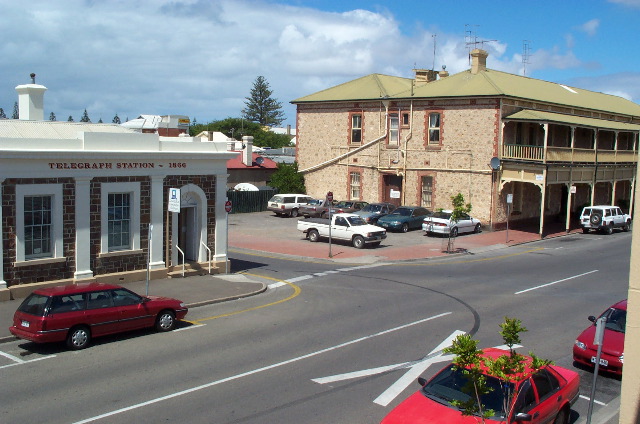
{"points": [[374, 211], [315, 208], [404, 218], [348, 206]]}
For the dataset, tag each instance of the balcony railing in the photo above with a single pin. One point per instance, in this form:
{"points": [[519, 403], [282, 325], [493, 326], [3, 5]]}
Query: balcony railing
{"points": [[567, 154]]}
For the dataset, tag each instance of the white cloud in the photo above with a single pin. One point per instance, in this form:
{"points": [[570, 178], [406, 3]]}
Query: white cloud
{"points": [[590, 27], [630, 3]]}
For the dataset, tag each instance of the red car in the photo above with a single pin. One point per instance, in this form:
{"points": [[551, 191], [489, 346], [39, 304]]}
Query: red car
{"points": [[77, 312], [541, 397], [612, 357]]}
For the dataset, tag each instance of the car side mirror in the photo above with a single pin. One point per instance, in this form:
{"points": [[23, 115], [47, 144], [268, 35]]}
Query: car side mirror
{"points": [[422, 381], [522, 417], [591, 318], [145, 300]]}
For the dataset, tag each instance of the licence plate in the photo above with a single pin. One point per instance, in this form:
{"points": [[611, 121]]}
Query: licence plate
{"points": [[603, 362], [25, 323]]}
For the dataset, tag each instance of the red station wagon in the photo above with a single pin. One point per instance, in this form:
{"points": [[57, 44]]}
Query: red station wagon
{"points": [[77, 312]]}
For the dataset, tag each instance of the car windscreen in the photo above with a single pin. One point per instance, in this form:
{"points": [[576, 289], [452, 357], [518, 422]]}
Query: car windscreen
{"points": [[616, 320], [402, 212], [314, 202], [343, 204], [442, 215], [372, 208], [356, 220], [34, 304], [451, 384]]}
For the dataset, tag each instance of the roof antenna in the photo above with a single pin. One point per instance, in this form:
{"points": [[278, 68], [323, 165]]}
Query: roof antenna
{"points": [[434, 36], [471, 39], [33, 78], [525, 56]]}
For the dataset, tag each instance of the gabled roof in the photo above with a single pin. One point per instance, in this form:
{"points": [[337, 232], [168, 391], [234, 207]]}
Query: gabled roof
{"points": [[486, 83], [370, 87]]}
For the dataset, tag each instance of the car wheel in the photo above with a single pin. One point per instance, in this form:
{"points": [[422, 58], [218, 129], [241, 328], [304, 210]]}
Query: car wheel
{"points": [[405, 227], [79, 338], [166, 321], [477, 229], [627, 226], [358, 242], [454, 232], [562, 417], [294, 213], [608, 229], [313, 236]]}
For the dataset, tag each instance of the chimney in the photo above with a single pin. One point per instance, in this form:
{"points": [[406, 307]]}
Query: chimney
{"points": [[31, 100], [247, 151], [424, 76], [444, 73], [478, 60]]}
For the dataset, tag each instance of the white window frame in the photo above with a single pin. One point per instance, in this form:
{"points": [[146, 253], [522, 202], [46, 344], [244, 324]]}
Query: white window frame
{"points": [[55, 192], [426, 193], [132, 189], [354, 185], [394, 130], [435, 128]]}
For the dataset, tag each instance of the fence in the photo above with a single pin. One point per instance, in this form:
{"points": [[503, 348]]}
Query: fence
{"points": [[250, 201]]}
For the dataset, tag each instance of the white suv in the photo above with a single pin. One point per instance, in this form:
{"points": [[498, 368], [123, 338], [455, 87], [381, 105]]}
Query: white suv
{"points": [[604, 218], [287, 204]]}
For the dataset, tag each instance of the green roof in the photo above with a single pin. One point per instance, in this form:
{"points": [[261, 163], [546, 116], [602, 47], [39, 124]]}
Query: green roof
{"points": [[487, 83], [537, 116]]}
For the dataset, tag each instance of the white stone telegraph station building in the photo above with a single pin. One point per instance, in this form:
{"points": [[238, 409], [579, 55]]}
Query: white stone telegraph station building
{"points": [[82, 201]]}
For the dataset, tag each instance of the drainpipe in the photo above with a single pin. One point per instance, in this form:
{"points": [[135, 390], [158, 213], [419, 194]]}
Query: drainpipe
{"points": [[406, 142]]}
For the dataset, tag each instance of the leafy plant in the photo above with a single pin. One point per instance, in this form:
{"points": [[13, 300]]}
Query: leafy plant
{"points": [[287, 179], [507, 368]]}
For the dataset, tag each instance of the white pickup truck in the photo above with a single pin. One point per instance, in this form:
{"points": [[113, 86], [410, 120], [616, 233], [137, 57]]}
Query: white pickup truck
{"points": [[344, 226]]}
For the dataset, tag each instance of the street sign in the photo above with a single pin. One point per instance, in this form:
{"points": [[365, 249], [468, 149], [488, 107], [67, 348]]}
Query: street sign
{"points": [[574, 189], [330, 196], [174, 200], [509, 198], [227, 206]]}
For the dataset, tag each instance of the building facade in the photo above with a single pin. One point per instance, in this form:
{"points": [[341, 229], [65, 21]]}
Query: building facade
{"points": [[521, 151], [84, 201]]}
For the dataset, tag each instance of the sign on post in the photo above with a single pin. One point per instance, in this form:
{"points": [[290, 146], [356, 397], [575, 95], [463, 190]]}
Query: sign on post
{"points": [[174, 200], [330, 196], [227, 206]]}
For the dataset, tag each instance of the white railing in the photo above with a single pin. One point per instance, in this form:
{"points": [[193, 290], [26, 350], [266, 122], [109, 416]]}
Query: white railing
{"points": [[208, 255], [182, 253]]}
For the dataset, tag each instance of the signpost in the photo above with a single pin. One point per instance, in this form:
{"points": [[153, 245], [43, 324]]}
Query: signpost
{"points": [[329, 200], [173, 205], [509, 203], [597, 340], [227, 207]]}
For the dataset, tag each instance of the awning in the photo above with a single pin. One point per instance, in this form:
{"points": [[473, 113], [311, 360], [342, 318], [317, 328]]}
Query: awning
{"points": [[539, 116]]}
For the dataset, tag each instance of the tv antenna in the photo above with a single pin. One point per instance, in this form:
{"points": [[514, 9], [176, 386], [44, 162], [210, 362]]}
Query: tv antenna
{"points": [[434, 36], [471, 39], [525, 56]]}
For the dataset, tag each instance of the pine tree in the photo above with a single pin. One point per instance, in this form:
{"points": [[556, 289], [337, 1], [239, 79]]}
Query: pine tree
{"points": [[52, 116], [85, 117], [2, 115], [116, 119], [16, 114], [100, 120], [261, 107], [70, 119]]}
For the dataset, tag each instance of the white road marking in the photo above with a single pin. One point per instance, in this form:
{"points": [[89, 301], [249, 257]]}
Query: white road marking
{"points": [[276, 285], [26, 362], [556, 282], [594, 401], [301, 278], [13, 358], [256, 371]]}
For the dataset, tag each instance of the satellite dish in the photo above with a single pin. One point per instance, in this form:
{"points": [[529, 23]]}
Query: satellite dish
{"points": [[495, 163], [259, 160], [246, 187]]}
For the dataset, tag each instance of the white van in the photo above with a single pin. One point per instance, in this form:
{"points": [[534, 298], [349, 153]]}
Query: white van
{"points": [[287, 204]]}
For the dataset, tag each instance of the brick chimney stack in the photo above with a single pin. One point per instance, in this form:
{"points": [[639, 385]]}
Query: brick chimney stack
{"points": [[247, 150], [478, 60]]}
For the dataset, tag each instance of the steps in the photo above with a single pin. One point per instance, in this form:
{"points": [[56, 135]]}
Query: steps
{"points": [[191, 269]]}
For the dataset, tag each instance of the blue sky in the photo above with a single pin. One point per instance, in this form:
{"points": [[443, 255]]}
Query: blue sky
{"points": [[200, 57]]}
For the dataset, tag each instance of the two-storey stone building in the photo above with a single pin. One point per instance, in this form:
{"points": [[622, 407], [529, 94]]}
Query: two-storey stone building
{"points": [[495, 137]]}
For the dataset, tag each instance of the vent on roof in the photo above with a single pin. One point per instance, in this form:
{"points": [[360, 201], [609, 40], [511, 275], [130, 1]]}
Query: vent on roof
{"points": [[568, 88]]}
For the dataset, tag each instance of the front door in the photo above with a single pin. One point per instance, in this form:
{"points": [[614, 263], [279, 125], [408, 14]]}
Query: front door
{"points": [[189, 233], [392, 189]]}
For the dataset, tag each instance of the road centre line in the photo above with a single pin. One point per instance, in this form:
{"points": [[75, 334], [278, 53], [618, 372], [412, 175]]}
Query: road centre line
{"points": [[258, 370], [556, 282]]}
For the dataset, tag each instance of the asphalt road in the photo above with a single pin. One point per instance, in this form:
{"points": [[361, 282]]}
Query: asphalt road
{"points": [[327, 343]]}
